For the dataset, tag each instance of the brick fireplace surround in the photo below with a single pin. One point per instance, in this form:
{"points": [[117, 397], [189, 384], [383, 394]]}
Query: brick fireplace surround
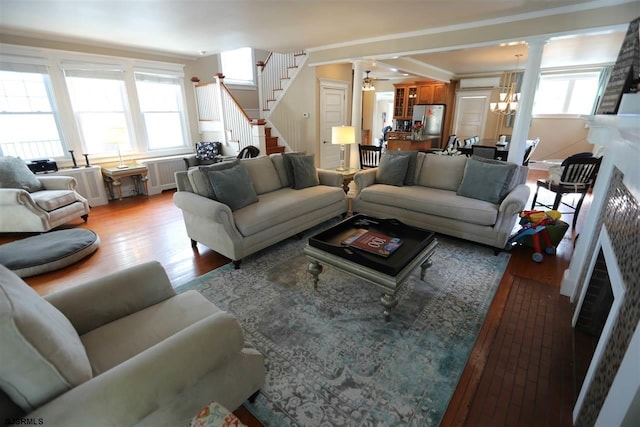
{"points": [[610, 394]]}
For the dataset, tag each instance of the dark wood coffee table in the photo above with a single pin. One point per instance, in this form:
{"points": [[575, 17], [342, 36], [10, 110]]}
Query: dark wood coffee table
{"points": [[390, 273]]}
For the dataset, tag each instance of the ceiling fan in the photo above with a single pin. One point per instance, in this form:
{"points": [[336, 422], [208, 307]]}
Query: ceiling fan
{"points": [[367, 82]]}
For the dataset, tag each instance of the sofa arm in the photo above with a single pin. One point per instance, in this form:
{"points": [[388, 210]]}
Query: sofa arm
{"points": [[365, 178], [515, 201], [100, 301], [58, 182], [125, 394], [330, 178], [208, 210]]}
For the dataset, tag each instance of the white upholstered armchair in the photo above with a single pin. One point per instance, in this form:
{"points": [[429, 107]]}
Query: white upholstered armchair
{"points": [[121, 350], [36, 203]]}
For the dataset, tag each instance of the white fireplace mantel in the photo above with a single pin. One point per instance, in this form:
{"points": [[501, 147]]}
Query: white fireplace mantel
{"points": [[619, 138]]}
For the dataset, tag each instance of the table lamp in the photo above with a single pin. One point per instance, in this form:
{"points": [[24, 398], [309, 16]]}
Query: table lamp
{"points": [[117, 136], [343, 135]]}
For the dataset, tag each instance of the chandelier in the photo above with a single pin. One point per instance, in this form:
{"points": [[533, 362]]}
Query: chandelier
{"points": [[367, 83], [508, 103]]}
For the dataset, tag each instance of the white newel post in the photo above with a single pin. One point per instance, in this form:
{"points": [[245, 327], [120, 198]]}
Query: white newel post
{"points": [[356, 112], [258, 137], [518, 143]]}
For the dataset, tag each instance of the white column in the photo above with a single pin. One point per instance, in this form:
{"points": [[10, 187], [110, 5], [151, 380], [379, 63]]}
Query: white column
{"points": [[356, 112], [518, 143]]}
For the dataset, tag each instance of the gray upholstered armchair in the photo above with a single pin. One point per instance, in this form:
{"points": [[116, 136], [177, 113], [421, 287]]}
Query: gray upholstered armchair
{"points": [[36, 203], [120, 350]]}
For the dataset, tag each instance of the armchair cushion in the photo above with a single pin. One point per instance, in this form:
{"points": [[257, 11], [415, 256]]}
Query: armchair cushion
{"points": [[14, 173], [42, 355], [53, 199], [233, 187]]}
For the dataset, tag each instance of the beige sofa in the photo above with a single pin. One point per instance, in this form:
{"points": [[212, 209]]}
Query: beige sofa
{"points": [[122, 350], [432, 201], [279, 213]]}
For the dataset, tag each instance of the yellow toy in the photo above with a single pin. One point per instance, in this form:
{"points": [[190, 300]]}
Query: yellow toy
{"points": [[534, 224]]}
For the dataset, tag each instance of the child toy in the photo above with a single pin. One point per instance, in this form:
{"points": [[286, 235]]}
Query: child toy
{"points": [[534, 224]]}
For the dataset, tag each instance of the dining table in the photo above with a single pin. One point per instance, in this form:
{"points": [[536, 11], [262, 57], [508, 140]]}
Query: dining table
{"points": [[502, 151]]}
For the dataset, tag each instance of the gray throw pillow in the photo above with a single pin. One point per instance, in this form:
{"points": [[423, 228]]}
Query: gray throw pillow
{"points": [[304, 171], [200, 179], [486, 181], [233, 186], [287, 165], [14, 173], [392, 170], [411, 167]]}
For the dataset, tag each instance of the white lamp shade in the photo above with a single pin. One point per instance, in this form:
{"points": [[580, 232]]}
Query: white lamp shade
{"points": [[116, 136], [343, 135]]}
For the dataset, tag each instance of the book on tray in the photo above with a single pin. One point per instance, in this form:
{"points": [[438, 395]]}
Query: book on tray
{"points": [[373, 242]]}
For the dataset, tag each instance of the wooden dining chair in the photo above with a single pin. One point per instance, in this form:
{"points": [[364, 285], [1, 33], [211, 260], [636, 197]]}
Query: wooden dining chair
{"points": [[484, 151], [578, 175], [369, 156]]}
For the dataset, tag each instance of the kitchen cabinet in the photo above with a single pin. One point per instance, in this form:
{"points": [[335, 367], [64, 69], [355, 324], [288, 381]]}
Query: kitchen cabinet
{"points": [[432, 94], [408, 95]]}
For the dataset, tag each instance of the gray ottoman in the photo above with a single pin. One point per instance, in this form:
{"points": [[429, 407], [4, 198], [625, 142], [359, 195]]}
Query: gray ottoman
{"points": [[48, 251]]}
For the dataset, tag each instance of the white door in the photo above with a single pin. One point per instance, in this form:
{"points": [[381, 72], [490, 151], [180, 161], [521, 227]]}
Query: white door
{"points": [[333, 112], [471, 113]]}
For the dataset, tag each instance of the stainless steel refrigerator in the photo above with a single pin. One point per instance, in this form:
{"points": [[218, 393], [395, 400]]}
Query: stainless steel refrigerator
{"points": [[431, 116]]}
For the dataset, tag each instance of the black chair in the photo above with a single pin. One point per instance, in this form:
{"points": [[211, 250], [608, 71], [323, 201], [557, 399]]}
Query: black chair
{"points": [[529, 151], [578, 175], [248, 152], [451, 142], [468, 142], [484, 151], [369, 156]]}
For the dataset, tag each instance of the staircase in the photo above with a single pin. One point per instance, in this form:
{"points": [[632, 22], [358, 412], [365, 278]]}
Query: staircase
{"points": [[218, 110], [272, 143]]}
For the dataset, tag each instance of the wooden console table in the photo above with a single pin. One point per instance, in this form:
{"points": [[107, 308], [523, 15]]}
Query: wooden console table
{"points": [[112, 176]]}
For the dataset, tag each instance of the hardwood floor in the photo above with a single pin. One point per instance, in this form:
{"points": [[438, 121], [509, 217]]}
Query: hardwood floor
{"points": [[523, 370]]}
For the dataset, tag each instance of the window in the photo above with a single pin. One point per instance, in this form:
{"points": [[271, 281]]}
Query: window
{"points": [[238, 66], [160, 99], [567, 93], [98, 102], [28, 117]]}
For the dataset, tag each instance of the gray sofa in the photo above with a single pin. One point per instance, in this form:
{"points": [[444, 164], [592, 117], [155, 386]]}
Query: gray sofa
{"points": [[433, 200], [280, 211], [122, 350]]}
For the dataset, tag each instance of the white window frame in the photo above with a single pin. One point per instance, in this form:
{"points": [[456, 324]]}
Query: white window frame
{"points": [[566, 75], [56, 60], [235, 83]]}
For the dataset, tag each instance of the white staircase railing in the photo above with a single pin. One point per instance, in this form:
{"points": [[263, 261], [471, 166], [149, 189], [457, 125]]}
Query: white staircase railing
{"points": [[274, 75], [217, 104]]}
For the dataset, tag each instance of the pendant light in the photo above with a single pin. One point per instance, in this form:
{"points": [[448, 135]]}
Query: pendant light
{"points": [[508, 103]]}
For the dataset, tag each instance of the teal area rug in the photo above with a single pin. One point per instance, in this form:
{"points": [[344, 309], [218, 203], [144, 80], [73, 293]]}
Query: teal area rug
{"points": [[331, 359]]}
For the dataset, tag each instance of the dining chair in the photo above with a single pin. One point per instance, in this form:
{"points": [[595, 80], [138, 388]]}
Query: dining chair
{"points": [[248, 152], [468, 142], [578, 175], [529, 151], [451, 142], [369, 156], [484, 151]]}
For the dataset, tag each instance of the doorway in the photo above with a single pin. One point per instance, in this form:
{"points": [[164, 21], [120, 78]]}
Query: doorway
{"points": [[471, 113], [333, 112], [382, 115]]}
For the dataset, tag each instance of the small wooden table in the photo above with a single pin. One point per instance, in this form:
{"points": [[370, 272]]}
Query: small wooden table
{"points": [[138, 173], [347, 177]]}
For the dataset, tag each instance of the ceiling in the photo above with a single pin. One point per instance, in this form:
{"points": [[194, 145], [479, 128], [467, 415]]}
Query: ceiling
{"points": [[188, 28]]}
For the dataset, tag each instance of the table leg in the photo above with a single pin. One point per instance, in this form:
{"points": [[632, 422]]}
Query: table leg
{"points": [[315, 269], [424, 267], [144, 179], [388, 302], [118, 187]]}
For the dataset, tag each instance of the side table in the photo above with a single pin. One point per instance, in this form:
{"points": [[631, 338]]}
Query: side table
{"points": [[112, 176], [347, 177]]}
